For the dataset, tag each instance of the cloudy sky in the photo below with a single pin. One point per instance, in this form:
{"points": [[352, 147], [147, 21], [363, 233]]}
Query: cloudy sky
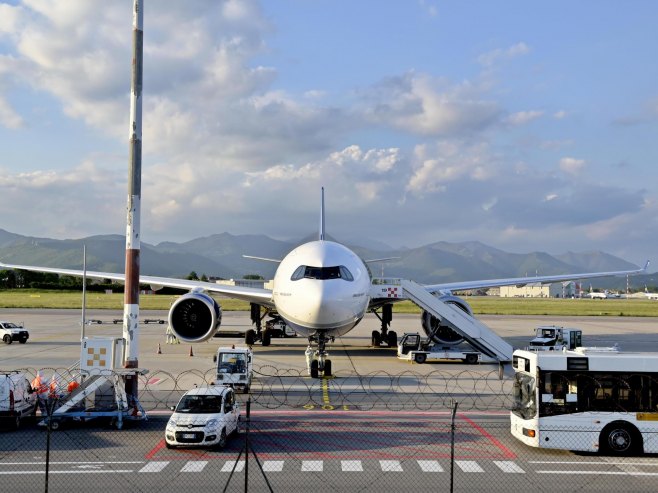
{"points": [[524, 125]]}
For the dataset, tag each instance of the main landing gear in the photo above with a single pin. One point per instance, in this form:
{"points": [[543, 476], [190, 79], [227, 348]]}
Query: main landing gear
{"points": [[385, 336], [316, 360], [264, 336]]}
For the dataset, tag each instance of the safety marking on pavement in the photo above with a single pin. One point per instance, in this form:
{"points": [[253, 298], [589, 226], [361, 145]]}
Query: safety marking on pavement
{"points": [[430, 466], [469, 466], [325, 392], [154, 466], [351, 466], [508, 466], [390, 465], [228, 467], [273, 466], [194, 466], [312, 465]]}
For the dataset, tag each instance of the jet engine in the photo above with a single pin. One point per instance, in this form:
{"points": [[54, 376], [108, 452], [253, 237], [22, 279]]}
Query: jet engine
{"points": [[195, 317], [440, 332]]}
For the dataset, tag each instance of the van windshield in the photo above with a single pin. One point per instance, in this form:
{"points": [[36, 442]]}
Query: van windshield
{"points": [[232, 363], [200, 404]]}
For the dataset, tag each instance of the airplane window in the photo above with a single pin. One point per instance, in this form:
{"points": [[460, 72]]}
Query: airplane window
{"points": [[321, 273]]}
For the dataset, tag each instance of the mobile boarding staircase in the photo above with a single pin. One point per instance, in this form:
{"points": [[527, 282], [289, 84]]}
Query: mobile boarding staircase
{"points": [[478, 335]]}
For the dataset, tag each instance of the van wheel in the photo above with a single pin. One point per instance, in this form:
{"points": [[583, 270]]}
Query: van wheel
{"points": [[23, 341], [620, 438], [7, 339], [222, 439]]}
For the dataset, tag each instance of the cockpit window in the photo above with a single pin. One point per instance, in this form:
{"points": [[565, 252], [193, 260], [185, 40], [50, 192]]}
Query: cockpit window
{"points": [[321, 273]]}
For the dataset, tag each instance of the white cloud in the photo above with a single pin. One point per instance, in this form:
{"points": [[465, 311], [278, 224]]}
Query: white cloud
{"points": [[560, 115], [523, 117], [572, 165], [8, 117], [424, 105], [492, 57]]}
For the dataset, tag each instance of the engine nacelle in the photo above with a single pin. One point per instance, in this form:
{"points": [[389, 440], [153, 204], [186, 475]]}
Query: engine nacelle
{"points": [[195, 317], [439, 332]]}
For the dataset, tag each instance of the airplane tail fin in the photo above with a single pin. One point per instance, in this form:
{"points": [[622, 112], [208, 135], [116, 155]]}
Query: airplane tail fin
{"points": [[322, 215]]}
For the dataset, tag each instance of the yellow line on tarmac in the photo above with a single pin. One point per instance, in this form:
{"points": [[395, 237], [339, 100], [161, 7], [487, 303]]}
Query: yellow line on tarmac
{"points": [[325, 392]]}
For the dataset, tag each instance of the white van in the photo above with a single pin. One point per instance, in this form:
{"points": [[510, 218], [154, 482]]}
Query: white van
{"points": [[16, 399], [204, 417]]}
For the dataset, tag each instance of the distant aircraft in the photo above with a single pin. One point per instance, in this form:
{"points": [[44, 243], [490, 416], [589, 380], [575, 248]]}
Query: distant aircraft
{"points": [[322, 290], [598, 296], [651, 296]]}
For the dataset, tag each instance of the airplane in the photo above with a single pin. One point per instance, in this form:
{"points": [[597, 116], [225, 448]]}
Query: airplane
{"points": [[650, 296], [321, 289]]}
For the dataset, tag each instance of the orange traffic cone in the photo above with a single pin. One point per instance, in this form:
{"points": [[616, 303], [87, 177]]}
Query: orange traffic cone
{"points": [[191, 352], [159, 349]]}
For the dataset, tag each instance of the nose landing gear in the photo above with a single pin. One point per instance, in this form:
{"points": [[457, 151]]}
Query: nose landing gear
{"points": [[316, 360]]}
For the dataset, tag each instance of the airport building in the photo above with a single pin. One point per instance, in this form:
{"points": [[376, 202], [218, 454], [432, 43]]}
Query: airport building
{"points": [[538, 290]]}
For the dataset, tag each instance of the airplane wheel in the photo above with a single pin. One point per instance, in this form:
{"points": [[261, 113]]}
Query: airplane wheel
{"points": [[327, 368], [392, 338], [314, 368], [249, 337], [266, 337], [376, 338]]}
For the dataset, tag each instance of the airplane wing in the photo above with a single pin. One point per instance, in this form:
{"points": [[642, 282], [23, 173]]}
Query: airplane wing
{"points": [[255, 295], [522, 281]]}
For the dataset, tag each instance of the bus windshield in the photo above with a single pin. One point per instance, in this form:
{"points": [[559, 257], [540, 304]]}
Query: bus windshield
{"points": [[525, 404]]}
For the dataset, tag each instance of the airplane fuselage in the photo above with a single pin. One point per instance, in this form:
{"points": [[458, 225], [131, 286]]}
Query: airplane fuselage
{"points": [[321, 286]]}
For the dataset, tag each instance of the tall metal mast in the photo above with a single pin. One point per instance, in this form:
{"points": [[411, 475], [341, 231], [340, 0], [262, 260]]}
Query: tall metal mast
{"points": [[131, 296]]}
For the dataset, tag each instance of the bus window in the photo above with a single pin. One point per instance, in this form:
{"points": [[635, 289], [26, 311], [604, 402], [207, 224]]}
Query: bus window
{"points": [[524, 396]]}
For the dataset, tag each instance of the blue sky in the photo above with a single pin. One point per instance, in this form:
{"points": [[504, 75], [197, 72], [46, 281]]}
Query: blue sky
{"points": [[522, 125]]}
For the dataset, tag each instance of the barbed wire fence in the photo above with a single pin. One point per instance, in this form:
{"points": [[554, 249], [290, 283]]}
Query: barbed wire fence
{"points": [[375, 432]]}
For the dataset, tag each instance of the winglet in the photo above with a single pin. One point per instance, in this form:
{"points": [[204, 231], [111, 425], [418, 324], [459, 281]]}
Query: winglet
{"points": [[646, 266], [322, 215]]}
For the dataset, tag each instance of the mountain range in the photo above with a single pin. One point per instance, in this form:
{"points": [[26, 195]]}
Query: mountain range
{"points": [[220, 255]]}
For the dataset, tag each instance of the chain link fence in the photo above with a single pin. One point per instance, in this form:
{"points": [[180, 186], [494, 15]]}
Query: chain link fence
{"points": [[365, 433]]}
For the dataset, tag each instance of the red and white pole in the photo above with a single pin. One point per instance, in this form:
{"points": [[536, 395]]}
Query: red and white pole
{"points": [[131, 296]]}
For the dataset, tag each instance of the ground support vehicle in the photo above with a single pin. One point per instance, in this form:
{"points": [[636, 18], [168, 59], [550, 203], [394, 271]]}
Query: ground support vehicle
{"points": [[101, 394], [10, 332], [554, 338], [589, 399], [17, 401], [234, 367], [278, 328], [204, 417], [413, 347]]}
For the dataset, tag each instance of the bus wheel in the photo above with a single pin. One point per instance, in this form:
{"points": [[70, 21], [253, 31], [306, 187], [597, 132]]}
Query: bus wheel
{"points": [[619, 439]]}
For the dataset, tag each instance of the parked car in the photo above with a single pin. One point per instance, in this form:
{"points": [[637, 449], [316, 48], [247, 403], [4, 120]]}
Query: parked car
{"points": [[10, 332], [204, 417], [17, 401]]}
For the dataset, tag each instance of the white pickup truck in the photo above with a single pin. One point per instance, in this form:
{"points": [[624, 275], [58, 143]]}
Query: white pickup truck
{"points": [[10, 332]]}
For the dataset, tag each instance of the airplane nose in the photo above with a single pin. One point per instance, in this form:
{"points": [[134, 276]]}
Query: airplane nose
{"points": [[326, 304]]}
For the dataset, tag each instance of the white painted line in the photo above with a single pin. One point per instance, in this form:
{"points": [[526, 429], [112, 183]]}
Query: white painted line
{"points": [[194, 466], [154, 466], [430, 466], [228, 466], [351, 466], [312, 465], [508, 466], [92, 471], [469, 466], [607, 473], [390, 465], [273, 466]]}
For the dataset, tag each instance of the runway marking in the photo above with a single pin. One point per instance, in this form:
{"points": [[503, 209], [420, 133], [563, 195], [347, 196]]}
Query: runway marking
{"points": [[325, 394], [390, 465], [351, 466], [154, 466], [273, 466], [469, 466], [609, 473], [508, 466], [228, 466], [430, 466], [312, 465], [506, 452], [194, 466]]}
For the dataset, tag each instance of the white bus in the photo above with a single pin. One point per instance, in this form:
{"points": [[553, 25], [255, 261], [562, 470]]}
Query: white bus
{"points": [[589, 399]]}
